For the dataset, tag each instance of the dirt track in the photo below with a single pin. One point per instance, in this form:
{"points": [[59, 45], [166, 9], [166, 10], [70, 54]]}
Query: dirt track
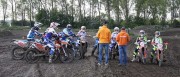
{"points": [[88, 67]]}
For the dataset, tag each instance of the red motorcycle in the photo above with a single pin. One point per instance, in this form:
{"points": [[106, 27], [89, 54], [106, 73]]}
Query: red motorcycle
{"points": [[21, 46], [38, 50], [18, 51], [65, 54]]}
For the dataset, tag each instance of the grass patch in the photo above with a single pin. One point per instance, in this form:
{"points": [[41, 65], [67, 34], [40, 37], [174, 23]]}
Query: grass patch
{"points": [[4, 28]]}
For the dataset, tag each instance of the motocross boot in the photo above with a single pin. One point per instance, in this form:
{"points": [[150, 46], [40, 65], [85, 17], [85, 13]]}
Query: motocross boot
{"points": [[50, 58]]}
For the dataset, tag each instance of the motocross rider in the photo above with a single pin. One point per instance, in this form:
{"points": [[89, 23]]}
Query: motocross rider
{"points": [[67, 32], [48, 39], [33, 32], [113, 37], [155, 41], [142, 37], [82, 34]]}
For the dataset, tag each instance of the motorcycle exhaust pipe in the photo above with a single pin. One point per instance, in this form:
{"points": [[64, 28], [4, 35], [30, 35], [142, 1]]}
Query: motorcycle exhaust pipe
{"points": [[37, 55]]}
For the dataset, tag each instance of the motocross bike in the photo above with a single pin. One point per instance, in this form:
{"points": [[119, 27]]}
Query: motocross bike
{"points": [[73, 46], [17, 52], [21, 46], [142, 52], [82, 44], [159, 54], [65, 55], [114, 51], [36, 51]]}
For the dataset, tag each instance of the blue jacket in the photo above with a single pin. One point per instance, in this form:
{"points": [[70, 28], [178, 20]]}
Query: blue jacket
{"points": [[32, 33], [66, 33]]}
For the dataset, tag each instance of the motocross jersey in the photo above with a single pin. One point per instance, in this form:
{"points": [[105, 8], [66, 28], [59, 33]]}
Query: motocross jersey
{"points": [[32, 33], [68, 32], [140, 39], [157, 40], [113, 37], [82, 34], [65, 33], [50, 32]]}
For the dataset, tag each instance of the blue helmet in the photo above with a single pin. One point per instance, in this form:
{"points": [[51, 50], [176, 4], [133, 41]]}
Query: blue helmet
{"points": [[69, 26]]}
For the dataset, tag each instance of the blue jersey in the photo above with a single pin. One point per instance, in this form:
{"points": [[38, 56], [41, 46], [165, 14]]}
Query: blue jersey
{"points": [[65, 33], [32, 33], [68, 32]]}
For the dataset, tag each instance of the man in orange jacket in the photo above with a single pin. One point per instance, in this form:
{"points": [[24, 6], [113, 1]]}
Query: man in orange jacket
{"points": [[122, 39], [104, 35]]}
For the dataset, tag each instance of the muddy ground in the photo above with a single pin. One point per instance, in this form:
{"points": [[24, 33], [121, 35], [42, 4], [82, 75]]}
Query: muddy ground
{"points": [[88, 66]]}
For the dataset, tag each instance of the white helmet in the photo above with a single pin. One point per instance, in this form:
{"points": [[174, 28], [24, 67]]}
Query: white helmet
{"points": [[37, 24], [54, 24], [116, 29], [142, 31], [157, 33], [83, 27]]}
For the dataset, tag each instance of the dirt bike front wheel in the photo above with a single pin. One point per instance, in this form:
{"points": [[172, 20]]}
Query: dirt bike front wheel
{"points": [[30, 56], [66, 57]]}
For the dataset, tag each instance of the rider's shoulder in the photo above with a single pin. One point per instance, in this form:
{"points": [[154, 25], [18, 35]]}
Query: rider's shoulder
{"points": [[65, 29]]}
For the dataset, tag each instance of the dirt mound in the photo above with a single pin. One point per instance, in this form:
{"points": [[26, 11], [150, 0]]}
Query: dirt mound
{"points": [[171, 32], [5, 33], [151, 29]]}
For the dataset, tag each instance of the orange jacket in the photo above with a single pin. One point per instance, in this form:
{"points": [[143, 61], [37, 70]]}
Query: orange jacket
{"points": [[123, 38], [104, 35]]}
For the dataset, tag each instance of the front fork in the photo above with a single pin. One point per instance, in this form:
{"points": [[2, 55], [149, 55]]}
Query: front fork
{"points": [[74, 51], [143, 53], [64, 52], [159, 55]]}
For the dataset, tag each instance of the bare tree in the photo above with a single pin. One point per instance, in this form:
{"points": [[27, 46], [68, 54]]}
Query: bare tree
{"points": [[12, 9], [80, 9], [4, 7], [125, 6]]}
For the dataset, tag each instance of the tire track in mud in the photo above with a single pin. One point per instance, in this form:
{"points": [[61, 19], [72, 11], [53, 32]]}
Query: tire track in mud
{"points": [[78, 68], [51, 71], [33, 71], [87, 68], [39, 71], [12, 69], [121, 70], [4, 70], [140, 70], [100, 71]]}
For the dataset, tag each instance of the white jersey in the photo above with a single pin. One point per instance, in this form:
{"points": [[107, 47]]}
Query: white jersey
{"points": [[48, 30], [113, 37], [82, 35]]}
